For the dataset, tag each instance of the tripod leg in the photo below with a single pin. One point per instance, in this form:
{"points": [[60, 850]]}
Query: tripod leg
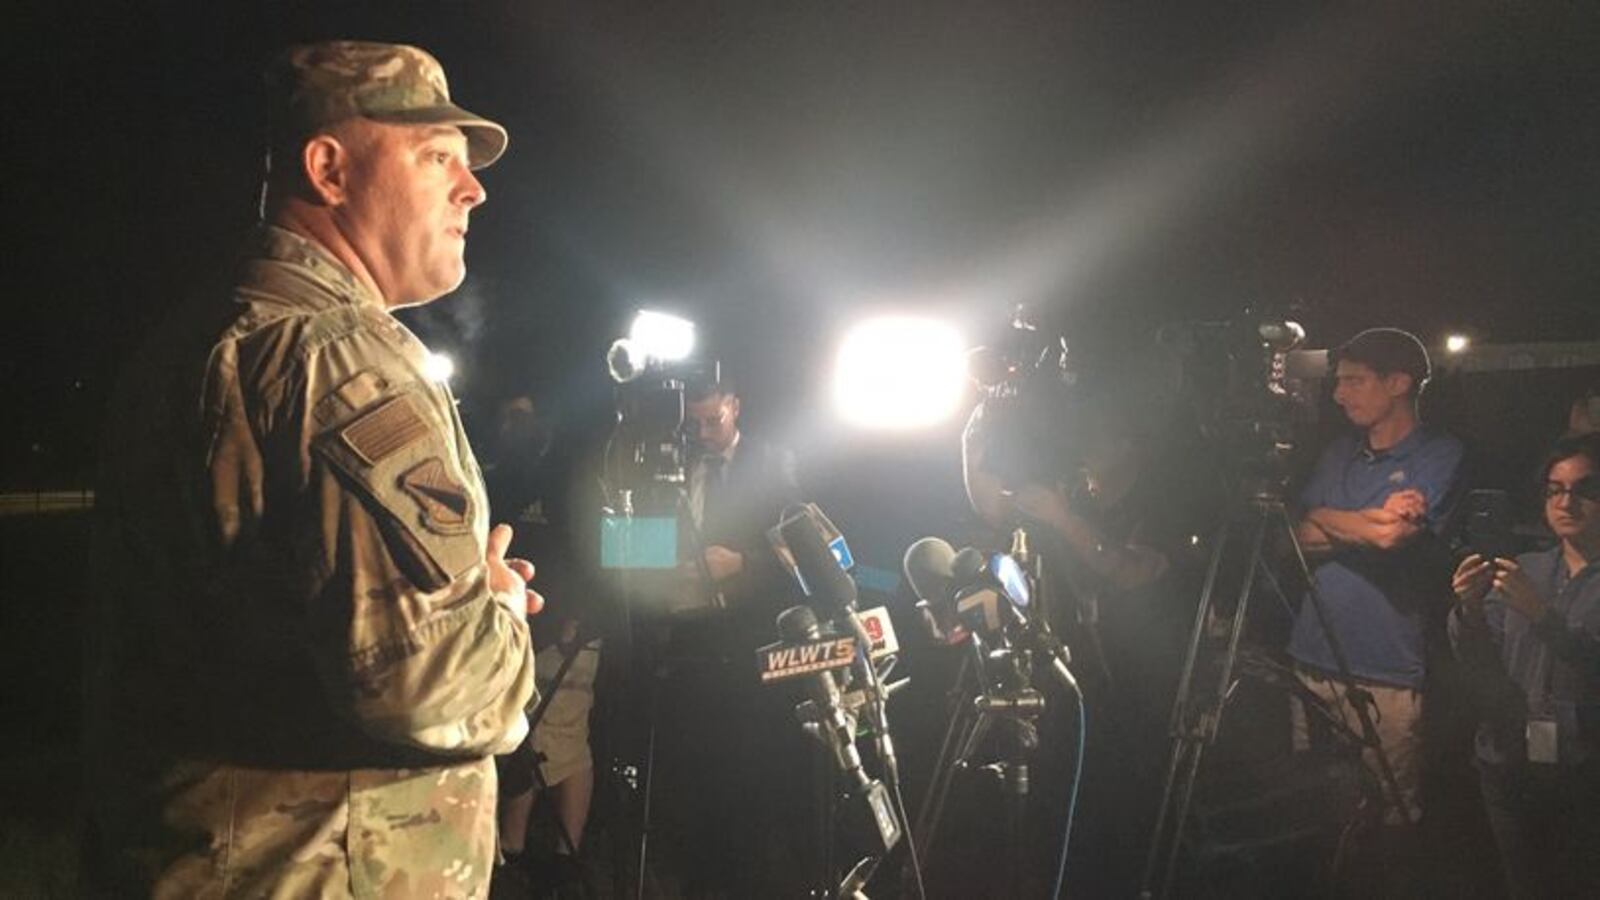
{"points": [[1179, 725], [964, 721], [649, 785], [1193, 738], [1211, 720]]}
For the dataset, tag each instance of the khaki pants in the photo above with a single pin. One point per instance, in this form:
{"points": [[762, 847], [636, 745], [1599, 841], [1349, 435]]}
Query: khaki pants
{"points": [[1397, 715]]}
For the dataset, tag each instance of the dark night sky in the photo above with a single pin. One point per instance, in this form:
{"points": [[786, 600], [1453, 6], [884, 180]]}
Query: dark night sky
{"points": [[777, 168]]}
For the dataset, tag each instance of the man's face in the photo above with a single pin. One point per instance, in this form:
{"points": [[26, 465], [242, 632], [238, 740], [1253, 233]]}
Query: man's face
{"points": [[1572, 516], [713, 422], [1366, 397], [408, 195]]}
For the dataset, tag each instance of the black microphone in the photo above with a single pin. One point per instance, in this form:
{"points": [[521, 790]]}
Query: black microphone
{"points": [[929, 571], [825, 582], [986, 602], [831, 588], [968, 566], [928, 567], [798, 624]]}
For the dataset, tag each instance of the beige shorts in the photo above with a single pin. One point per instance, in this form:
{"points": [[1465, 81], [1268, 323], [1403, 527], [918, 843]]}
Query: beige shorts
{"points": [[562, 736], [1397, 716]]}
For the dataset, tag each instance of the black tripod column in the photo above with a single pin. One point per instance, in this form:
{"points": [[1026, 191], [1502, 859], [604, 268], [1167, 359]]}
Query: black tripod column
{"points": [[1017, 789]]}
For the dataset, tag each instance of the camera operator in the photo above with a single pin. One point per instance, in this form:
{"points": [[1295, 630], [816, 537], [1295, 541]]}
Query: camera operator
{"points": [[1112, 521], [1532, 626], [732, 763], [738, 487], [1372, 504]]}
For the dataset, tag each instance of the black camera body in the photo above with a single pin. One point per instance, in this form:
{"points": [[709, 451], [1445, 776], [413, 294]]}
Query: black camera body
{"points": [[1233, 377], [1030, 391], [649, 445]]}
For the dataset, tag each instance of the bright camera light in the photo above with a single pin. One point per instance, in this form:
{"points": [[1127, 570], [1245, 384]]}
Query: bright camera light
{"points": [[439, 366], [662, 337], [1457, 343], [899, 372]]}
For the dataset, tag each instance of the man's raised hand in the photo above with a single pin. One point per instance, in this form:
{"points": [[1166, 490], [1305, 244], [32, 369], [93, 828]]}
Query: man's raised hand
{"points": [[509, 578]]}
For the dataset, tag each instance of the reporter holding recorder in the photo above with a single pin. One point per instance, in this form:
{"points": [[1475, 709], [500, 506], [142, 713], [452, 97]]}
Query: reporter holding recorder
{"points": [[1529, 630]]}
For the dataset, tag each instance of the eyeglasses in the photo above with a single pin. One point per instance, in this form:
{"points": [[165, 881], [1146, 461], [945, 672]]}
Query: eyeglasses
{"points": [[1584, 489]]}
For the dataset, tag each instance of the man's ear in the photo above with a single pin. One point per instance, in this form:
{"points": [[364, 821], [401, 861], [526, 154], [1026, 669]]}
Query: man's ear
{"points": [[1397, 384], [733, 407], [326, 163]]}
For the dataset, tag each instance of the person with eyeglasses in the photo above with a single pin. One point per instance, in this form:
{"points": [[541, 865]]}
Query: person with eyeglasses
{"points": [[1529, 630]]}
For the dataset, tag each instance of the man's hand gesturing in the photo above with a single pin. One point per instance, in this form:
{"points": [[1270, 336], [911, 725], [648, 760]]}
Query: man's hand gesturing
{"points": [[509, 578]]}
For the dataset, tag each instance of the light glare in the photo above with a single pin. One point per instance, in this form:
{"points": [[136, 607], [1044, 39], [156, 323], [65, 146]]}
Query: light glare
{"points": [[439, 366], [661, 336], [1457, 343], [899, 372]]}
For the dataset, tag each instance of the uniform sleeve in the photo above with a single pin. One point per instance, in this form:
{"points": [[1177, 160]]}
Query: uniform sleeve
{"points": [[386, 521]]}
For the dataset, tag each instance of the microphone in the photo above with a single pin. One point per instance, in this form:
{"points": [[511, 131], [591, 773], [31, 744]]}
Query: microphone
{"points": [[798, 624], [831, 588], [929, 568], [993, 598], [824, 580]]}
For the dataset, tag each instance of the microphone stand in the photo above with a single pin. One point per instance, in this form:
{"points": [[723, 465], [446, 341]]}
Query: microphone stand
{"points": [[981, 703], [994, 687]]}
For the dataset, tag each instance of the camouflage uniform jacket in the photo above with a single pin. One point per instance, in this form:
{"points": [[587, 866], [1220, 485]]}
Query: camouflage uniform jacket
{"points": [[297, 670]]}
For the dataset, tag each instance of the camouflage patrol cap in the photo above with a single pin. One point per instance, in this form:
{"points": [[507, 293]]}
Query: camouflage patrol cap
{"points": [[311, 86]]}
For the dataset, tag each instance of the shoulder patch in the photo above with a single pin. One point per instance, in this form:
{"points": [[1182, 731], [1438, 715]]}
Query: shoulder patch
{"points": [[444, 501], [384, 431], [361, 389], [358, 392]]}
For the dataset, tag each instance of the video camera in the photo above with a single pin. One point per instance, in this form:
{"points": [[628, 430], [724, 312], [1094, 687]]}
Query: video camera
{"points": [[646, 463], [1235, 377], [1029, 386]]}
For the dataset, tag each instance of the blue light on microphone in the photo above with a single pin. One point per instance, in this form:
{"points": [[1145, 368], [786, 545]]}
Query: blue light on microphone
{"points": [[841, 552], [1009, 573]]}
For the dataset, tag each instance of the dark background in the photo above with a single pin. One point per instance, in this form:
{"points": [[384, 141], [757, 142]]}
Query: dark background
{"points": [[776, 170]]}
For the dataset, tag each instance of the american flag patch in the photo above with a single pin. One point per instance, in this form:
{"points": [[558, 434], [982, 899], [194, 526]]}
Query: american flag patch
{"points": [[385, 431]]}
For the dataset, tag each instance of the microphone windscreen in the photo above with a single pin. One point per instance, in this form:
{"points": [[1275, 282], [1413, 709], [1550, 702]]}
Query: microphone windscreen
{"points": [[927, 565], [798, 623], [824, 580], [968, 565]]}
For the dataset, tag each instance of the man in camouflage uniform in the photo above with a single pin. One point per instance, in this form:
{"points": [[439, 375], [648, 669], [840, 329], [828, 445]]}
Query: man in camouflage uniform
{"points": [[307, 643]]}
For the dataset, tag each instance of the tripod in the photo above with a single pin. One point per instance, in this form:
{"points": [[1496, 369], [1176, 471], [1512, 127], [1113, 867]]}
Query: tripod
{"points": [[993, 690], [661, 665], [979, 707], [1194, 726]]}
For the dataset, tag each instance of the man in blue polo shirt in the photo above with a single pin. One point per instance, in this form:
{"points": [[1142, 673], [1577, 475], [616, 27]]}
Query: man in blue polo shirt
{"points": [[1376, 498]]}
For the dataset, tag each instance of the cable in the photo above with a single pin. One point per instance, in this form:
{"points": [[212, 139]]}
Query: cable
{"points": [[911, 844], [1072, 798]]}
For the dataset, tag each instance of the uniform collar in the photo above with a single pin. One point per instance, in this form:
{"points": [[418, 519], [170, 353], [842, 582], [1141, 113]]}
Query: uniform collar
{"points": [[274, 244]]}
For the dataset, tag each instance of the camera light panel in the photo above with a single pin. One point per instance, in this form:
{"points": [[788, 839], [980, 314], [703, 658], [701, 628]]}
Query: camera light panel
{"points": [[900, 372]]}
